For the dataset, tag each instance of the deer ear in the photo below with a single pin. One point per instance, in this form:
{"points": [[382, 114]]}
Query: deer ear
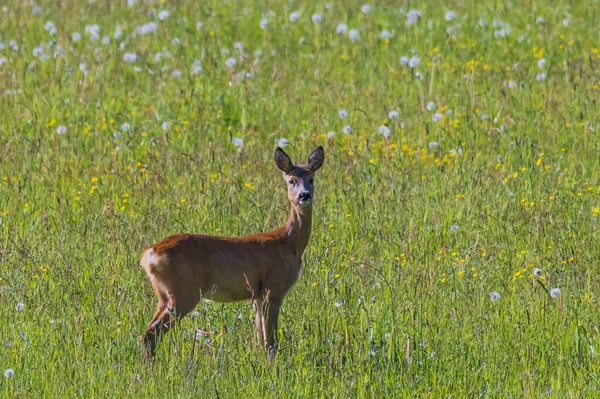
{"points": [[283, 162], [315, 160]]}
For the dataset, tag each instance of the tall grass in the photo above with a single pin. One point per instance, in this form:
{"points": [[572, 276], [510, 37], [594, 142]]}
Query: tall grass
{"points": [[490, 172]]}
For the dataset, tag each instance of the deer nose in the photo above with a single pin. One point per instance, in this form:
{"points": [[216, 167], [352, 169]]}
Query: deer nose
{"points": [[304, 196]]}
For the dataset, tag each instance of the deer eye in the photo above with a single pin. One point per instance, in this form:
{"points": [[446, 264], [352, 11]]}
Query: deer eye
{"points": [[292, 182], [311, 181]]}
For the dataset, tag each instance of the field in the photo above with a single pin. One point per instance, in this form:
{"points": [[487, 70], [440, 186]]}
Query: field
{"points": [[454, 250]]}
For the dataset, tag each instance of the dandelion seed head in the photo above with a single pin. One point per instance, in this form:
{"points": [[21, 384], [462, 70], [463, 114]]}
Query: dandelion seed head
{"points": [[385, 131], [354, 34], [237, 141], [365, 9], [404, 60], [540, 77], [294, 16], [20, 306], [413, 62], [430, 106], [555, 292], [494, 296], [330, 135], [317, 18], [437, 117], [9, 373], [385, 34], [130, 57], [450, 15], [347, 129], [341, 29], [454, 228], [393, 114], [541, 63], [163, 15], [61, 130], [230, 62], [537, 272], [342, 113], [165, 126], [264, 23], [338, 304]]}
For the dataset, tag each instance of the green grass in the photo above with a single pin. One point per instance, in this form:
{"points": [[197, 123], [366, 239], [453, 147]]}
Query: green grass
{"points": [[515, 171]]}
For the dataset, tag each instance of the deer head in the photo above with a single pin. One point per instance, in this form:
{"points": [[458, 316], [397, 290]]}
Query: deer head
{"points": [[300, 179]]}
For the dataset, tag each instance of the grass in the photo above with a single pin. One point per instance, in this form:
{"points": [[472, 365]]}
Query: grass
{"points": [[411, 234]]}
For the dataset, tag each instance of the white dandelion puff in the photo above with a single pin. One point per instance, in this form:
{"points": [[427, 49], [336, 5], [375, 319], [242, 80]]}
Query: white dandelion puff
{"points": [[341, 29], [540, 77], [61, 130], [430, 106], [541, 63], [176, 74], [118, 32], [50, 28], [130, 57], [163, 15], [537, 272], [347, 129], [393, 114], [412, 17], [494, 296], [511, 84], [36, 10], [20, 306], [317, 18], [9, 373], [366, 9], [433, 144], [106, 40], [386, 34], [125, 127], [354, 34], [437, 117], [82, 67], [342, 113], [294, 16], [385, 131], [404, 60], [165, 126], [117, 135], [76, 36], [454, 228], [338, 304], [196, 67], [131, 3], [413, 62], [555, 292], [230, 62], [450, 15], [330, 135], [264, 23], [237, 141]]}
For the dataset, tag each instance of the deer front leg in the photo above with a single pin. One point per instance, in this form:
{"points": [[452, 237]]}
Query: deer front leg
{"points": [[260, 321], [272, 321]]}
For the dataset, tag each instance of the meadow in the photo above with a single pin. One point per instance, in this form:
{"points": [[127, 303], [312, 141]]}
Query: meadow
{"points": [[454, 250]]}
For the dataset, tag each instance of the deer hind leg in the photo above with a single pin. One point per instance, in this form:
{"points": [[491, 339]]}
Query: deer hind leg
{"points": [[260, 322]]}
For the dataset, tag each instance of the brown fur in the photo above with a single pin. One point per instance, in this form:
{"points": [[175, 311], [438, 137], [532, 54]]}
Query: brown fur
{"points": [[183, 268]]}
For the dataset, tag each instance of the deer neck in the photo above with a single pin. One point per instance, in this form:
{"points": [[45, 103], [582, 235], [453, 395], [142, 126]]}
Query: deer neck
{"points": [[298, 227]]}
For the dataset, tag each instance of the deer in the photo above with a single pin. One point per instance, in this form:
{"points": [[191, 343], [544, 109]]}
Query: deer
{"points": [[185, 268]]}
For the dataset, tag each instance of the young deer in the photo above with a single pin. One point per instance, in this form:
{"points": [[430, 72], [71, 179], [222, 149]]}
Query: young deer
{"points": [[183, 268]]}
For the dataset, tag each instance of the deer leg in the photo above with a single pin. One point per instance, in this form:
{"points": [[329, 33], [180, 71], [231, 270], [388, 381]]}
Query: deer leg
{"points": [[159, 325], [272, 321], [260, 321], [164, 320]]}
